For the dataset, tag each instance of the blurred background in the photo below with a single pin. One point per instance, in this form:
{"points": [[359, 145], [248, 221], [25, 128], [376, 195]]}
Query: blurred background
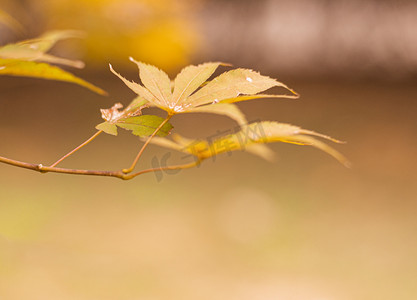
{"points": [[237, 227]]}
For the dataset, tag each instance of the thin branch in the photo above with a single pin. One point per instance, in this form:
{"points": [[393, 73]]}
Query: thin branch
{"points": [[118, 174], [130, 169], [44, 169], [77, 148]]}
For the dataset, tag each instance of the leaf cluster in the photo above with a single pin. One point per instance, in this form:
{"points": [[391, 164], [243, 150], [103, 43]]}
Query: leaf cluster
{"points": [[192, 91]]}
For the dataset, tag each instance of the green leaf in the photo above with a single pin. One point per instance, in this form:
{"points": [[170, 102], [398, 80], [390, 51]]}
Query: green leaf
{"points": [[231, 84], [190, 79], [15, 67], [229, 110], [131, 119], [145, 125], [115, 115], [156, 81], [107, 128]]}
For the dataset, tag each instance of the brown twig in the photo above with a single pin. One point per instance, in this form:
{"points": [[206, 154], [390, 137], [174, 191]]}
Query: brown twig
{"points": [[118, 174]]}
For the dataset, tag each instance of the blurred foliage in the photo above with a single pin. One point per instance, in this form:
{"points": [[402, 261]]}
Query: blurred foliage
{"points": [[10, 22], [250, 138], [26, 59], [158, 31]]}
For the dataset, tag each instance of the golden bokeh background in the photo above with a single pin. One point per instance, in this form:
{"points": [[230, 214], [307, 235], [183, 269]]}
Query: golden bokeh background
{"points": [[237, 227]]}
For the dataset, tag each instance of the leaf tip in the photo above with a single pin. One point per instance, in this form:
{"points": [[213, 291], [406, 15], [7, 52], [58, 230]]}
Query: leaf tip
{"points": [[225, 64], [78, 64], [294, 95], [103, 92]]}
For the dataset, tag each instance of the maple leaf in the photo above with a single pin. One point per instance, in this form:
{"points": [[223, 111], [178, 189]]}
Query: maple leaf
{"points": [[191, 93]]}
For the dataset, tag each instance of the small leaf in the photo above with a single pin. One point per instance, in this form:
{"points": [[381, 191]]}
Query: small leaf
{"points": [[15, 67], [115, 114], [156, 81], [231, 84], [190, 79], [107, 128], [145, 125], [229, 110]]}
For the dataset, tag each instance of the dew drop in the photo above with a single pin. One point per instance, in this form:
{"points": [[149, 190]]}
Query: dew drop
{"points": [[178, 108], [249, 79], [215, 101]]}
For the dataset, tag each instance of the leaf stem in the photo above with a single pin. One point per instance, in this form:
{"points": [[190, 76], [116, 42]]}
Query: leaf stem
{"points": [[76, 149], [130, 169], [176, 167]]}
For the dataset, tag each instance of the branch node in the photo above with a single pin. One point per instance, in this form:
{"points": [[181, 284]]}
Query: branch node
{"points": [[125, 176], [40, 168]]}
